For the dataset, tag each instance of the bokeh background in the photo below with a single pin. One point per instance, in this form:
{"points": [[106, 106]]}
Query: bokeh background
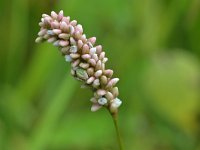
{"points": [[154, 48]]}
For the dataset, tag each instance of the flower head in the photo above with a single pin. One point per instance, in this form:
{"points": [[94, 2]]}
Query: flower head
{"points": [[87, 60]]}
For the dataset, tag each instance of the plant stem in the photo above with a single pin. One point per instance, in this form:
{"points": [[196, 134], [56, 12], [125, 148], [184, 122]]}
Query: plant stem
{"points": [[115, 120]]}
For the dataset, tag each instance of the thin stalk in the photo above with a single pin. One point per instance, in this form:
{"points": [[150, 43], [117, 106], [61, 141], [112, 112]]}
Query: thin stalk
{"points": [[115, 120]]}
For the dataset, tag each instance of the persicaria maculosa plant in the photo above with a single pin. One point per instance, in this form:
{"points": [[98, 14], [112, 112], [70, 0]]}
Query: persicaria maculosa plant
{"points": [[87, 60]]}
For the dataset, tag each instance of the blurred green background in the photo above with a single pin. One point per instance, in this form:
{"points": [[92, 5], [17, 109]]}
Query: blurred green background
{"points": [[154, 48]]}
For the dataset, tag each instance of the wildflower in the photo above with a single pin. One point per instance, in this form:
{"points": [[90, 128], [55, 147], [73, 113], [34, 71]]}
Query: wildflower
{"points": [[87, 60]]}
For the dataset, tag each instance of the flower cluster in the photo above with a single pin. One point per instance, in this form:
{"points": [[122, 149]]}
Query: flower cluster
{"points": [[87, 60]]}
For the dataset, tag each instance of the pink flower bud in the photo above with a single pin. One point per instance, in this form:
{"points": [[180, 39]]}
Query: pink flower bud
{"points": [[101, 92], [66, 19], [80, 44], [79, 28], [95, 107], [112, 82], [60, 15], [90, 80], [83, 38], [75, 63], [86, 56], [57, 31], [42, 32], [92, 40], [99, 49], [102, 55], [108, 73], [77, 35], [92, 62], [73, 22], [85, 49], [64, 27], [51, 40], [63, 43], [55, 25]]}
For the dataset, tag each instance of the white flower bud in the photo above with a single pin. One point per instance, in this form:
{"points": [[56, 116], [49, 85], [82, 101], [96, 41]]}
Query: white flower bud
{"points": [[57, 31], [84, 65], [95, 57], [73, 22], [93, 100], [81, 73], [98, 65], [75, 56], [65, 50], [73, 49], [109, 96], [104, 79], [51, 40], [90, 71], [98, 73], [42, 32], [46, 36], [96, 83], [115, 91], [92, 50], [115, 104], [68, 58], [64, 36], [102, 101], [56, 43], [54, 15], [71, 29]]}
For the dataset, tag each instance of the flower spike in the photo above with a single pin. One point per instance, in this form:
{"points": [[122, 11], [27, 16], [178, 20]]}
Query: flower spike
{"points": [[87, 60]]}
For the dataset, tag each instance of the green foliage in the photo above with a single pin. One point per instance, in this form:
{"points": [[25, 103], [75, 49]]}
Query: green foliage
{"points": [[153, 47]]}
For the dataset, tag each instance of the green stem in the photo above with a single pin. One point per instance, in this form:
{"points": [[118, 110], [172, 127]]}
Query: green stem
{"points": [[115, 120]]}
